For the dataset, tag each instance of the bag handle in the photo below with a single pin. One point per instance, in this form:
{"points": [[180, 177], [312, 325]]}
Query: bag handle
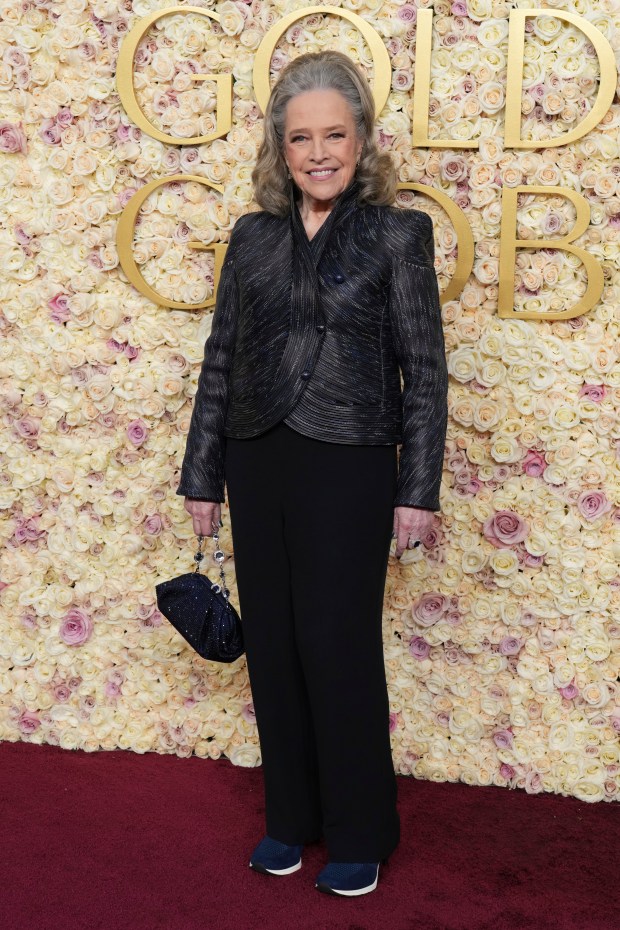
{"points": [[219, 557]]}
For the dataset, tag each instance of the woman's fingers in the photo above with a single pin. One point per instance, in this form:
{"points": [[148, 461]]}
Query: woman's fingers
{"points": [[204, 515], [402, 539], [409, 523]]}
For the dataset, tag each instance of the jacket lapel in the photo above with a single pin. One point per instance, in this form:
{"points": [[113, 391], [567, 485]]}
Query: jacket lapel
{"points": [[311, 251], [304, 344]]}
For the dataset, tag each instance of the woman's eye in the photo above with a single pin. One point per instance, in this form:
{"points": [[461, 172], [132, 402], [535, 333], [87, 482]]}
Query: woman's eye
{"points": [[332, 135]]}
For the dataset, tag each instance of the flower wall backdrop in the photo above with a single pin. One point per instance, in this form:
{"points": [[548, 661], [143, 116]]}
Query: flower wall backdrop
{"points": [[502, 630]]}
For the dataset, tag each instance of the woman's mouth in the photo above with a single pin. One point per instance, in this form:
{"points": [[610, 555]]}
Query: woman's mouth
{"points": [[320, 173]]}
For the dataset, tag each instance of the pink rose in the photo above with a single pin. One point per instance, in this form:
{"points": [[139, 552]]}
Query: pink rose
{"points": [[429, 608], [156, 619], [533, 783], [569, 691], [456, 460], [27, 620], [295, 34], [452, 655], [504, 529], [394, 718], [595, 392], [419, 648], [551, 224], [407, 13], [534, 464], [453, 167], [153, 524], [506, 771], [503, 739], [28, 427], [123, 132], [433, 538], [108, 419], [59, 306], [247, 712], [28, 722], [76, 627], [463, 476], [62, 692], [593, 504], [615, 722], [137, 432], [28, 530], [50, 132], [21, 236], [528, 618], [125, 196], [64, 117], [12, 138], [510, 646], [111, 689]]}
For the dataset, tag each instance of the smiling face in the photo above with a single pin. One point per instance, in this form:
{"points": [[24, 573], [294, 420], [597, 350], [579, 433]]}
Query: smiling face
{"points": [[321, 147]]}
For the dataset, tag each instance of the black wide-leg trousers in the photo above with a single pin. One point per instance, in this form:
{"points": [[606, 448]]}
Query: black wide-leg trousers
{"points": [[311, 524]]}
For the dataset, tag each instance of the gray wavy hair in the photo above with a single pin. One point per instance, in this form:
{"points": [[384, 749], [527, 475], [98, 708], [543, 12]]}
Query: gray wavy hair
{"points": [[313, 71]]}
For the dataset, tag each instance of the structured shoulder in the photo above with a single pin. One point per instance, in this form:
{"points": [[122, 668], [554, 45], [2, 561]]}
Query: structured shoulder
{"points": [[408, 233], [243, 224], [247, 230], [253, 228], [256, 220]]}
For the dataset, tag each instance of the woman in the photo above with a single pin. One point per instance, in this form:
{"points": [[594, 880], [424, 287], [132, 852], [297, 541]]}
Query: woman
{"points": [[325, 295]]}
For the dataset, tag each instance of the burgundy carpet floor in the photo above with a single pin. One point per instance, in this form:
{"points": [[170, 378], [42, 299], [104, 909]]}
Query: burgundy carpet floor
{"points": [[122, 841]]}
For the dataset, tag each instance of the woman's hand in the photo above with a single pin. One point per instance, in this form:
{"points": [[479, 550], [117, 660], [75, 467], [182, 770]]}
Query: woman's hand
{"points": [[410, 522], [204, 514]]}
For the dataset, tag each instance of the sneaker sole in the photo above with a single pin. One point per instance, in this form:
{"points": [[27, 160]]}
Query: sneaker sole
{"points": [[262, 868], [329, 890]]}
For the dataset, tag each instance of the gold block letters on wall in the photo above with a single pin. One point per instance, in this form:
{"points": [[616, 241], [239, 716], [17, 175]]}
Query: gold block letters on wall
{"points": [[420, 139]]}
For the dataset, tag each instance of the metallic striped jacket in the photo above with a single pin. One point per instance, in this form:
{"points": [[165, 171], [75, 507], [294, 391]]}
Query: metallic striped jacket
{"points": [[318, 333]]}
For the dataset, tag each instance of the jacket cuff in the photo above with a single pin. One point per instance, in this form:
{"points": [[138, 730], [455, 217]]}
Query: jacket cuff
{"points": [[398, 503], [200, 495]]}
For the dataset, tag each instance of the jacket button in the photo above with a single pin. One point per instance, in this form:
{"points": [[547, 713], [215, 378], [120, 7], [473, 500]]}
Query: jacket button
{"points": [[338, 278], [305, 375], [320, 328]]}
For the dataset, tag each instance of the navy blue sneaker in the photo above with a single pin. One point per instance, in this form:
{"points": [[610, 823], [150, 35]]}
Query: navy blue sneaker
{"points": [[275, 858], [348, 878]]}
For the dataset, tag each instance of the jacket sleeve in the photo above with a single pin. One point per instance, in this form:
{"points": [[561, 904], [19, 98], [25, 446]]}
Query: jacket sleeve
{"points": [[417, 334], [202, 471]]}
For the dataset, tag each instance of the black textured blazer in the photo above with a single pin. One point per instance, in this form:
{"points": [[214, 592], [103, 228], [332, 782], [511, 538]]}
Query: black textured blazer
{"points": [[316, 333]]}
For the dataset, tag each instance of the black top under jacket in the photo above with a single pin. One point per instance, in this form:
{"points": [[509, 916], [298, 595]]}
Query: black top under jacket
{"points": [[316, 333]]}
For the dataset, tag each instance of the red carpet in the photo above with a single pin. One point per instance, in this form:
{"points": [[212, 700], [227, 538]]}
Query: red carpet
{"points": [[121, 841]]}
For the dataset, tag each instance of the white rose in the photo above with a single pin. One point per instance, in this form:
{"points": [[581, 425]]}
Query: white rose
{"points": [[588, 791]]}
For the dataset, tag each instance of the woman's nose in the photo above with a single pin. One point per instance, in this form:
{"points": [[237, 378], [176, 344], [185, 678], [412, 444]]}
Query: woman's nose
{"points": [[317, 152]]}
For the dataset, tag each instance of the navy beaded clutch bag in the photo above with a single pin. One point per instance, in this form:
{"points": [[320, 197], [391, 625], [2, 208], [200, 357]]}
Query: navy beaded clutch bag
{"points": [[200, 610]]}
